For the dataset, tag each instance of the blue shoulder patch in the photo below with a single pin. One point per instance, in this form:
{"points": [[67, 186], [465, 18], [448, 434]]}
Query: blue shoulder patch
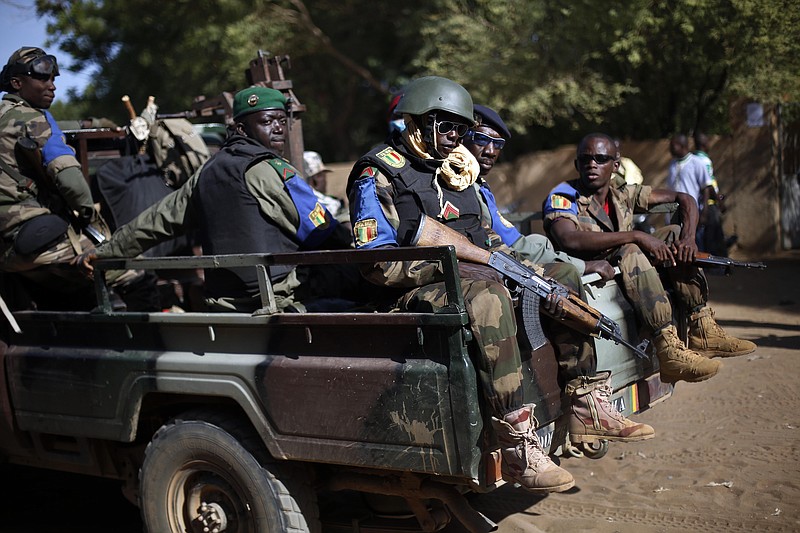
{"points": [[371, 228], [507, 231], [316, 223], [561, 200], [56, 145]]}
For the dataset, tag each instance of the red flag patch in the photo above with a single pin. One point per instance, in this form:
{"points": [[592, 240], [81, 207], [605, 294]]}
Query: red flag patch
{"points": [[449, 212]]}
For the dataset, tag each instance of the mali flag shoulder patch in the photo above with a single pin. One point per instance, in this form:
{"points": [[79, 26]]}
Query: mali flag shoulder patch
{"points": [[365, 231], [449, 211], [391, 157], [317, 216], [560, 202]]}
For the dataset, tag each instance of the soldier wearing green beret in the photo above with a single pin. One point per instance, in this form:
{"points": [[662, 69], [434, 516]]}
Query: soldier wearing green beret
{"points": [[246, 199], [41, 192]]}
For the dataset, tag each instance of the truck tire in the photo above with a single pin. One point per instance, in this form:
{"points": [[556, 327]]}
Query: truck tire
{"points": [[203, 472]]}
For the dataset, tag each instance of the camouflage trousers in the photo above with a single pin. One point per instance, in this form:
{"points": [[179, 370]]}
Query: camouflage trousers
{"points": [[645, 290], [53, 270], [493, 323]]}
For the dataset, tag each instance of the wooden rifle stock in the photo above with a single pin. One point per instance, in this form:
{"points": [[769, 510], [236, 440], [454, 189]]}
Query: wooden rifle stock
{"points": [[578, 315]]}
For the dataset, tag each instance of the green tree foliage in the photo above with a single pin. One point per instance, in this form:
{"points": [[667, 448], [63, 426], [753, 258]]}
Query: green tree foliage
{"points": [[553, 68]]}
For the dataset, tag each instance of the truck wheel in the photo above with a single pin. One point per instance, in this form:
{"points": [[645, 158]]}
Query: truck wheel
{"points": [[206, 473]]}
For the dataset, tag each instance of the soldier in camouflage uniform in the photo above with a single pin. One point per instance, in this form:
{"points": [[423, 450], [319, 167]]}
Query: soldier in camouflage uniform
{"points": [[247, 199], [425, 170], [592, 416], [37, 241], [592, 217]]}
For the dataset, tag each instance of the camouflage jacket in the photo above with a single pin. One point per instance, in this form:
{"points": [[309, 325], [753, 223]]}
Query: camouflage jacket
{"points": [[20, 195], [569, 200]]}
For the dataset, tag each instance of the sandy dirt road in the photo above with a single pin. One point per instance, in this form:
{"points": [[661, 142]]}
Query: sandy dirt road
{"points": [[726, 456]]}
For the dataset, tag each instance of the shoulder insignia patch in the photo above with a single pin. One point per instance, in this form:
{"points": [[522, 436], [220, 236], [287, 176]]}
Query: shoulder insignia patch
{"points": [[559, 202], [368, 172], [317, 215], [283, 168], [505, 222], [449, 211], [391, 157], [365, 231]]}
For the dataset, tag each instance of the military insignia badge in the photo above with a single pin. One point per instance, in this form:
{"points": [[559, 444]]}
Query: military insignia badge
{"points": [[559, 202], [253, 100], [368, 172], [317, 216], [365, 231], [391, 157], [449, 211]]}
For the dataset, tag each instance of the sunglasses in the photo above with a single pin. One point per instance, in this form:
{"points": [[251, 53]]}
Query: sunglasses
{"points": [[481, 139], [43, 67], [600, 159], [445, 126]]}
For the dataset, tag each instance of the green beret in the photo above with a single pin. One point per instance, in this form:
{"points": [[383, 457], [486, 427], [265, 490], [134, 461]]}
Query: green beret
{"points": [[255, 99]]}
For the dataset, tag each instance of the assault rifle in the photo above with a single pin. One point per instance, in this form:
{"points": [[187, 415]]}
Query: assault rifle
{"points": [[528, 284], [28, 148], [703, 259]]}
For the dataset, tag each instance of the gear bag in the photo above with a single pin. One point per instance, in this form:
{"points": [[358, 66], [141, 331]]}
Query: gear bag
{"points": [[177, 149]]}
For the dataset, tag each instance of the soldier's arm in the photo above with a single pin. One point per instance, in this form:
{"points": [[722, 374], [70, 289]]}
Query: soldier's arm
{"points": [[375, 223], [60, 163]]}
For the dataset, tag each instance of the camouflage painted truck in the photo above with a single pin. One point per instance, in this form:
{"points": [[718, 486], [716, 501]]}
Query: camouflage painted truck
{"points": [[238, 423]]}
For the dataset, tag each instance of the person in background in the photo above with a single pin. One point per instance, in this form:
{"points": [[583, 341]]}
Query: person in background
{"points": [[316, 174], [710, 235]]}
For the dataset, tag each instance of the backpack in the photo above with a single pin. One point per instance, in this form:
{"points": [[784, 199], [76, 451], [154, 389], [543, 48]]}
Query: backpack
{"points": [[177, 149]]}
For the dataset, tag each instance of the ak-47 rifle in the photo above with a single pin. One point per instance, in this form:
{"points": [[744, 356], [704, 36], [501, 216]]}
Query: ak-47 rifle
{"points": [[703, 259], [531, 287], [28, 148]]}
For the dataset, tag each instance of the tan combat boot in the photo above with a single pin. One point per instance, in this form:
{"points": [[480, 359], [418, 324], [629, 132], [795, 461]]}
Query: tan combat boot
{"points": [[524, 460], [677, 362], [709, 339], [593, 417]]}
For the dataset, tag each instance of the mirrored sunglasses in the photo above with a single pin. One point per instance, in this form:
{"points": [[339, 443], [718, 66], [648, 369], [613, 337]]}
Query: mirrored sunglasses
{"points": [[481, 139], [445, 126], [600, 159]]}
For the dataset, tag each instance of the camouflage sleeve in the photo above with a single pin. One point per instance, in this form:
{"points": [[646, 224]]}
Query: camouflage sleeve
{"points": [[164, 220], [539, 250], [640, 197], [375, 224]]}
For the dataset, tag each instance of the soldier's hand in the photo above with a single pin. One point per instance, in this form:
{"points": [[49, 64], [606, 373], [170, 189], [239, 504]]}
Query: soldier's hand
{"points": [[554, 306], [657, 249], [601, 267], [84, 263], [685, 250]]}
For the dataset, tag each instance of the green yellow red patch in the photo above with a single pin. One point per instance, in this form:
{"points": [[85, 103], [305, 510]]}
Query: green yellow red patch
{"points": [[317, 216], [391, 157], [366, 231], [559, 202]]}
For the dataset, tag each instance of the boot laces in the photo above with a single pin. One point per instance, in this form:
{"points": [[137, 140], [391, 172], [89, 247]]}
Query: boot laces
{"points": [[534, 452], [603, 393]]}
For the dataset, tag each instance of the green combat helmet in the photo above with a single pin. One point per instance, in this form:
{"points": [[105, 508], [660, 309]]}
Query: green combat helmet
{"points": [[434, 93]]}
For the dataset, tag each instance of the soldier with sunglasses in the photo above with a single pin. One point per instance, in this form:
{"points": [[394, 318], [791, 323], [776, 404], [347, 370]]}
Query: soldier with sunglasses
{"points": [[592, 217], [44, 198], [425, 170]]}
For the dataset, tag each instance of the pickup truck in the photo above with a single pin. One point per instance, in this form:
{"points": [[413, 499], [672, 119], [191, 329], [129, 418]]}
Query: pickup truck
{"points": [[238, 422]]}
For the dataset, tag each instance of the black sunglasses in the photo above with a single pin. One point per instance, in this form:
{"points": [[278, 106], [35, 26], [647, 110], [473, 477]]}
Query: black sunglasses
{"points": [[445, 126], [481, 139], [600, 159]]}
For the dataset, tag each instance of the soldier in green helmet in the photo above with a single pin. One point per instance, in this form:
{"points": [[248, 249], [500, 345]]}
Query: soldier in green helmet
{"points": [[426, 170], [246, 199]]}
